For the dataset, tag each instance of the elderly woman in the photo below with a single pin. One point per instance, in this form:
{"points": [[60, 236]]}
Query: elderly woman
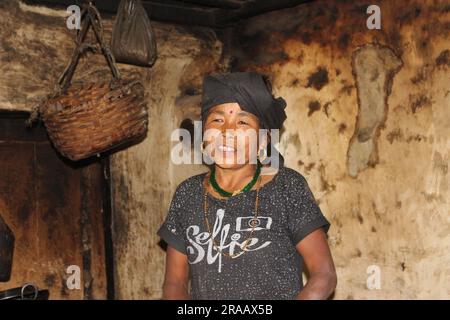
{"points": [[240, 231]]}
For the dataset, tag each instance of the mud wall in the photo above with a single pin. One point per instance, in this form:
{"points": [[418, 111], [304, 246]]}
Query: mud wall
{"points": [[369, 126], [35, 47], [144, 177]]}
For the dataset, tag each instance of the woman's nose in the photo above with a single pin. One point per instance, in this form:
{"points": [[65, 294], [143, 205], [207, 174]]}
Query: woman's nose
{"points": [[229, 129]]}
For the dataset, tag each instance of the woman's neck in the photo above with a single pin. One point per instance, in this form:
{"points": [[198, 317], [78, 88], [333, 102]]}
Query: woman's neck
{"points": [[234, 179]]}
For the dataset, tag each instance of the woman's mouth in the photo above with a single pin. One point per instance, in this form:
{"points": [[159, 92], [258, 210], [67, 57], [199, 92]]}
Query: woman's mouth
{"points": [[223, 148]]}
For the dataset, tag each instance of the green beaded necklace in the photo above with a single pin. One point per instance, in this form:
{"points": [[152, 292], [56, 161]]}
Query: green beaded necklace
{"points": [[224, 193]]}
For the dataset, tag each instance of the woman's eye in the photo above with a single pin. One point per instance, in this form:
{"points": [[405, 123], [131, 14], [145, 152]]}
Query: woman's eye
{"points": [[242, 122], [217, 120]]}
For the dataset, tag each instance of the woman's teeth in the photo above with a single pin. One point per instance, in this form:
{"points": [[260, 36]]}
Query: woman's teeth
{"points": [[226, 148]]}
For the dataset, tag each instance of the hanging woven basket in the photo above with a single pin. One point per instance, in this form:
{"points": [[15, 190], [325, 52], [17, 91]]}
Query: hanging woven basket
{"points": [[89, 119]]}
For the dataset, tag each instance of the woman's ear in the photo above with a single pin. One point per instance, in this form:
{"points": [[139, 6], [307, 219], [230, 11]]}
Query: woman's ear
{"points": [[265, 141]]}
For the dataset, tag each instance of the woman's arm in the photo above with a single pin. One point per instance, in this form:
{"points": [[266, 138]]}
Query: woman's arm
{"points": [[176, 280], [322, 274]]}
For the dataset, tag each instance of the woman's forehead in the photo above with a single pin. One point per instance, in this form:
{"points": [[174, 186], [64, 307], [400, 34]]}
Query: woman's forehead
{"points": [[230, 108]]}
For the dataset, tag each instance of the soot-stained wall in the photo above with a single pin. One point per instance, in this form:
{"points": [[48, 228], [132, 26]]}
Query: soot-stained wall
{"points": [[369, 127]]}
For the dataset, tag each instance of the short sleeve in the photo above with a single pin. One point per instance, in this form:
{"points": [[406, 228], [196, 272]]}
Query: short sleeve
{"points": [[172, 230], [304, 215]]}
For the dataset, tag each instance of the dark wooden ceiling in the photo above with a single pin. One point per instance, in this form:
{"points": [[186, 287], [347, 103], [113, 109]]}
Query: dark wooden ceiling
{"points": [[211, 13]]}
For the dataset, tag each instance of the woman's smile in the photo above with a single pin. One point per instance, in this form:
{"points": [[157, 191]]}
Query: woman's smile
{"points": [[226, 149]]}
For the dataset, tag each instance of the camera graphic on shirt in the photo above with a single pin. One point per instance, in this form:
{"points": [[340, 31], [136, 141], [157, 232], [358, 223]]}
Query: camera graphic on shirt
{"points": [[252, 223]]}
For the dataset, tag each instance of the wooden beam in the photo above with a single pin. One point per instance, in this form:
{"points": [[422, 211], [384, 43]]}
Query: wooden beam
{"points": [[190, 12], [166, 12], [257, 7], [224, 4], [182, 14]]}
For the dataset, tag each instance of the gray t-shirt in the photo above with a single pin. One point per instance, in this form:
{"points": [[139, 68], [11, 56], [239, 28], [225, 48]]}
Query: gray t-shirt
{"points": [[271, 267]]}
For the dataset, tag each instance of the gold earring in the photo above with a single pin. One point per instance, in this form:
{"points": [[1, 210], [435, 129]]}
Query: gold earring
{"points": [[262, 157]]}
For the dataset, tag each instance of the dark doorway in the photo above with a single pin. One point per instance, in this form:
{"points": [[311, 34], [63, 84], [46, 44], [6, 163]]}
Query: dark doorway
{"points": [[56, 209]]}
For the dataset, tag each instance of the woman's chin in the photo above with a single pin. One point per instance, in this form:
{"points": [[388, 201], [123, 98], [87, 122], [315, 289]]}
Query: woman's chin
{"points": [[228, 162], [228, 165]]}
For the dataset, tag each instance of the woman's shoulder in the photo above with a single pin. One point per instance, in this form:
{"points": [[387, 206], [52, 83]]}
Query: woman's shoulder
{"points": [[289, 175], [285, 182], [289, 182], [192, 183]]}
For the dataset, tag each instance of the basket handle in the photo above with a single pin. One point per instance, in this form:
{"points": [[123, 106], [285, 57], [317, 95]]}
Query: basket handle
{"points": [[91, 18]]}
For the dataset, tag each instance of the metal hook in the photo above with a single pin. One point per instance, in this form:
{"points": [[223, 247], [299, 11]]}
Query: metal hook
{"points": [[22, 291]]}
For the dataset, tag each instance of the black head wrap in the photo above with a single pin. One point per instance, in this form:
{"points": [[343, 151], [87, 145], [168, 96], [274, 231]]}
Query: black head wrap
{"points": [[250, 91]]}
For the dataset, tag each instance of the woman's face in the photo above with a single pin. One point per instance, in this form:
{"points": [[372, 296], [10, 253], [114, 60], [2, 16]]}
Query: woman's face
{"points": [[231, 135]]}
